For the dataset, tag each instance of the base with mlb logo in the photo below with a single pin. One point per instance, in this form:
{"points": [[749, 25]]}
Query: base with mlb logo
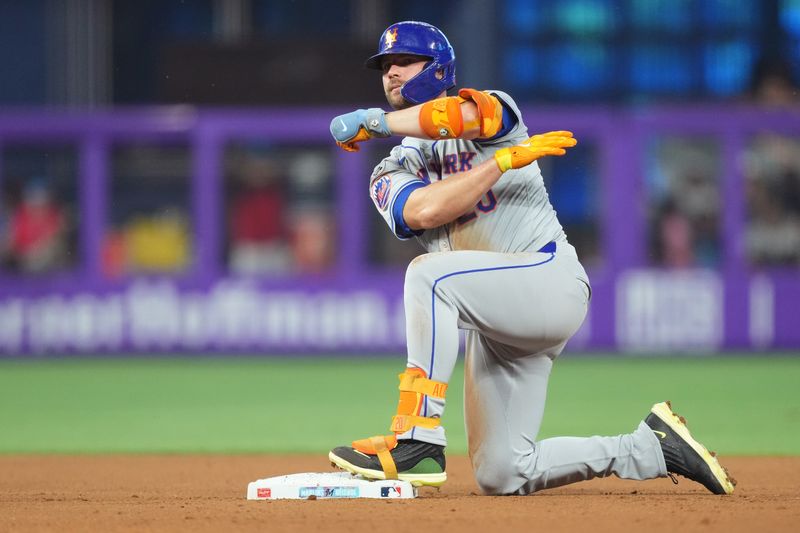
{"points": [[312, 486]]}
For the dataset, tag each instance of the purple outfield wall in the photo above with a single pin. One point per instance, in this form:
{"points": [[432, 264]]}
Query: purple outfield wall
{"points": [[355, 307]]}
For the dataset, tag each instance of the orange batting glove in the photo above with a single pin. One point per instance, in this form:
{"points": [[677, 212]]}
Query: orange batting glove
{"points": [[550, 143]]}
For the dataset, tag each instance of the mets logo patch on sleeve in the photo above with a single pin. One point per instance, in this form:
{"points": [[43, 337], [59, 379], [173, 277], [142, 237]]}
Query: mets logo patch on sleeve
{"points": [[380, 191]]}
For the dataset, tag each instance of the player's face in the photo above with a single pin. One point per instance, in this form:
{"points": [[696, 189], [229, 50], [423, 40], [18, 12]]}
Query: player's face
{"points": [[398, 69]]}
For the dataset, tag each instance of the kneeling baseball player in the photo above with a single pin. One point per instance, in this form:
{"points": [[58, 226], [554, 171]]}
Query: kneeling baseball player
{"points": [[465, 183]]}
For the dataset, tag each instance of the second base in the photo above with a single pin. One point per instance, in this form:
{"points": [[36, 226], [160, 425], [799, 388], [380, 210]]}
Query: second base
{"points": [[311, 485]]}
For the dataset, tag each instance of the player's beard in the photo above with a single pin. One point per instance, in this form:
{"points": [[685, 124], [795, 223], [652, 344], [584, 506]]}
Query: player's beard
{"points": [[396, 100]]}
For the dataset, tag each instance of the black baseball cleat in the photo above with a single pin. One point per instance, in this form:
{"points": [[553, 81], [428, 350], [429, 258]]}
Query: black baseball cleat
{"points": [[419, 463], [685, 456]]}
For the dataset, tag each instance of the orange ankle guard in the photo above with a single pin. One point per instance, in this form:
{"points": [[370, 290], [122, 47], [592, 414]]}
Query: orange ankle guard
{"points": [[414, 386]]}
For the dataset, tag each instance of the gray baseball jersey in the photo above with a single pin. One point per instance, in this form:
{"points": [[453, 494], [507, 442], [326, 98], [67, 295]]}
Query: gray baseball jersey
{"points": [[514, 216], [506, 274]]}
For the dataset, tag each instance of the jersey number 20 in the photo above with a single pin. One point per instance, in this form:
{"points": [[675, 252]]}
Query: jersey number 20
{"points": [[486, 204]]}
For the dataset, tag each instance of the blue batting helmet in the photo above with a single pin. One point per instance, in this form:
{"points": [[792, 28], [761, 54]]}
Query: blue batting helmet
{"points": [[419, 39]]}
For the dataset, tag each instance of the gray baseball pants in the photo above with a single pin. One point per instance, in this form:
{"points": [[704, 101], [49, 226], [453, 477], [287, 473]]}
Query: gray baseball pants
{"points": [[519, 310]]}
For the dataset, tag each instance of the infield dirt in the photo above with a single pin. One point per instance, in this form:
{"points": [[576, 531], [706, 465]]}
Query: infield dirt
{"points": [[207, 493]]}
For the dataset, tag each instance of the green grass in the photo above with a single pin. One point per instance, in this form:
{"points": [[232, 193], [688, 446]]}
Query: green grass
{"points": [[737, 405]]}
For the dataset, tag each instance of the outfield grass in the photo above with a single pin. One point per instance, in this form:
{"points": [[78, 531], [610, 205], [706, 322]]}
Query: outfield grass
{"points": [[739, 405]]}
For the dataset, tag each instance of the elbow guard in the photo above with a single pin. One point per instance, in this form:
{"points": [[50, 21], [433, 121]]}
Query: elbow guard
{"points": [[442, 119], [490, 111]]}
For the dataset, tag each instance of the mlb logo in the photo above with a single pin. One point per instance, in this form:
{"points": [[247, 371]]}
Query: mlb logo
{"points": [[390, 492], [264, 492], [380, 191]]}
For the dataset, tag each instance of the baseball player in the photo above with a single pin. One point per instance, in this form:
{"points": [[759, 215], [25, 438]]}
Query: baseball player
{"points": [[465, 183]]}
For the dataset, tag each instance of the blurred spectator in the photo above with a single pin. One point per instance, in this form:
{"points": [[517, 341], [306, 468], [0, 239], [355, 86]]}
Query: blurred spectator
{"points": [[312, 240], [772, 85], [37, 231], [313, 235], [148, 229], [6, 207], [158, 242], [772, 170], [675, 237], [699, 200], [147, 243], [256, 217], [114, 256], [684, 195]]}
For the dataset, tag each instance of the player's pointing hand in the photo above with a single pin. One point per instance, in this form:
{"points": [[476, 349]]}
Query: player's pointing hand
{"points": [[360, 125], [550, 143]]}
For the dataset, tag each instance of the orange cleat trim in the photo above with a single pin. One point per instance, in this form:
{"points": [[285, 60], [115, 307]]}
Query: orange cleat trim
{"points": [[367, 445]]}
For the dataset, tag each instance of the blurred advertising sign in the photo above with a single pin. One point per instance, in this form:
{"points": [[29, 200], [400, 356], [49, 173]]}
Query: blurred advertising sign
{"points": [[667, 310], [231, 315]]}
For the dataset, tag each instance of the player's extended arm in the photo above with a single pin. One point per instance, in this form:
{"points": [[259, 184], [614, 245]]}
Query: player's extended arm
{"points": [[469, 115], [409, 122], [443, 201]]}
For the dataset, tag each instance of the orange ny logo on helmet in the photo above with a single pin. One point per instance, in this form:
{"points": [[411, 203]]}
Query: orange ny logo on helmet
{"points": [[390, 38]]}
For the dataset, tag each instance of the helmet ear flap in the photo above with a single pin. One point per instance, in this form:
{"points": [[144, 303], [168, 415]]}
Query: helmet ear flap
{"points": [[422, 87], [427, 85]]}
